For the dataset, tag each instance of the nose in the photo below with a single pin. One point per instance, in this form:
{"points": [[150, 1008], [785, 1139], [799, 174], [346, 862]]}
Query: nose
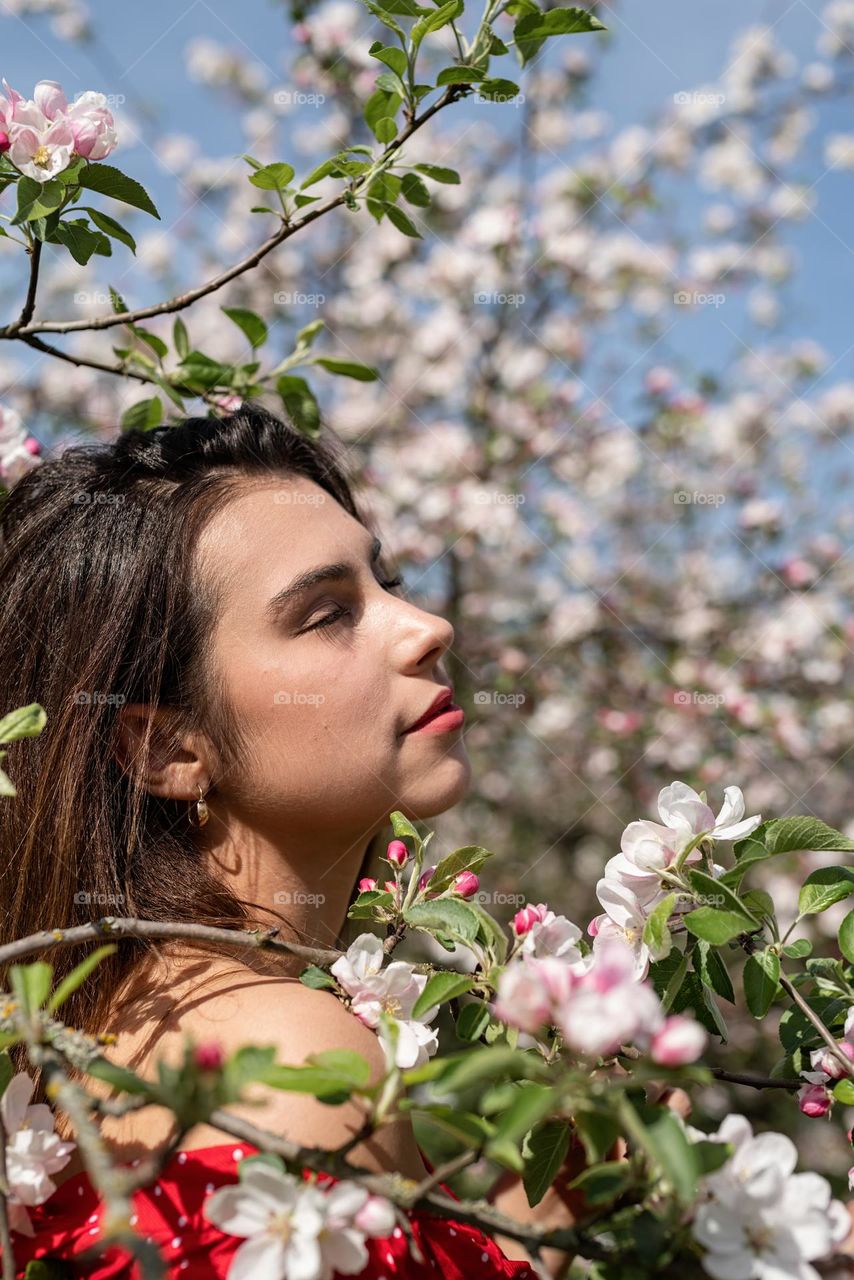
{"points": [[427, 638]]}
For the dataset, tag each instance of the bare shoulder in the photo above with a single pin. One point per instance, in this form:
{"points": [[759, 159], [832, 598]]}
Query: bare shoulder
{"points": [[235, 1006]]}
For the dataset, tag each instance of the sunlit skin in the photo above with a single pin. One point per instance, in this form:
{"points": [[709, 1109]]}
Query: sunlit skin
{"points": [[325, 707]]}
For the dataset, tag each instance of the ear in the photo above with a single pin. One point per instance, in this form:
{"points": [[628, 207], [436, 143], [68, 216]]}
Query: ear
{"points": [[177, 764]]}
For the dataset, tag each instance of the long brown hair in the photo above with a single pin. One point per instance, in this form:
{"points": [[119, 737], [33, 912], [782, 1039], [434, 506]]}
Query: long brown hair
{"points": [[101, 604]]}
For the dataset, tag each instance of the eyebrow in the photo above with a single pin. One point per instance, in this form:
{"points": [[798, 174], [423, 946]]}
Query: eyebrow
{"points": [[303, 582]]}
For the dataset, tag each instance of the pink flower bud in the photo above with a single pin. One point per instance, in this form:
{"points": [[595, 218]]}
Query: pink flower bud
{"points": [[814, 1100], [824, 1060], [680, 1040], [529, 915], [5, 142], [389, 886], [397, 853], [376, 1217], [31, 444], [425, 877], [208, 1056], [466, 884], [367, 882]]}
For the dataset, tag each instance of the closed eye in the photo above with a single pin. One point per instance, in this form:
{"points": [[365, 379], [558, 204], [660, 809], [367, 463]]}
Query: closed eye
{"points": [[341, 611]]}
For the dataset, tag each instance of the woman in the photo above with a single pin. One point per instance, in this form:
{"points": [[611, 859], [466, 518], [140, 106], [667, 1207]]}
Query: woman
{"points": [[230, 677]]}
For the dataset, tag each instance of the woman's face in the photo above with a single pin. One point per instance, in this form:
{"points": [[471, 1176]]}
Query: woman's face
{"points": [[326, 706]]}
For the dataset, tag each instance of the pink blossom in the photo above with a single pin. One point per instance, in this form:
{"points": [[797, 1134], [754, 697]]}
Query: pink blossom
{"points": [[521, 999], [527, 917], [93, 128], [209, 1055], [680, 1040], [397, 853], [44, 132], [466, 884], [366, 883], [823, 1060], [424, 878], [814, 1100]]}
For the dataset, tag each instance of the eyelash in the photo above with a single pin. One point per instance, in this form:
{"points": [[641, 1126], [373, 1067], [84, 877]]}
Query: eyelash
{"points": [[388, 584]]}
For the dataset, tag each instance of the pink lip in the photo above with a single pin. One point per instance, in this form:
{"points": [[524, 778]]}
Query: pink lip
{"points": [[441, 716]]}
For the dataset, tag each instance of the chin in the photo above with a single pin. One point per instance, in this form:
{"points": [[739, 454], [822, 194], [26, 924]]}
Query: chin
{"points": [[438, 790]]}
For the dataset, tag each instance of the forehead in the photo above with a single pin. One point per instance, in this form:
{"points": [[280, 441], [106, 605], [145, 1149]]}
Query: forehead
{"points": [[273, 530]]}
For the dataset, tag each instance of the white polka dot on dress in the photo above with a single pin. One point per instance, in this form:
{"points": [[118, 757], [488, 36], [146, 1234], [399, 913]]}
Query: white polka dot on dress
{"points": [[182, 1221], [237, 1154], [158, 1191], [484, 1257], [182, 1157], [176, 1243], [209, 1186]]}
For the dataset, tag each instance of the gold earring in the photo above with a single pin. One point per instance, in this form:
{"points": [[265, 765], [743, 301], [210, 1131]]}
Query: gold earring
{"points": [[202, 813]]}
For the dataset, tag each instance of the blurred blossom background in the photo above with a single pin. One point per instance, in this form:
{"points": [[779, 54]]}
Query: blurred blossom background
{"points": [[612, 437]]}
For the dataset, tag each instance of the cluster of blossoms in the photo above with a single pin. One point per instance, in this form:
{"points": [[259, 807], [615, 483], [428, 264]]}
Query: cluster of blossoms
{"points": [[379, 995], [19, 451], [815, 1098], [759, 1220], [596, 1001], [43, 134], [464, 885], [296, 1228], [33, 1150], [632, 885]]}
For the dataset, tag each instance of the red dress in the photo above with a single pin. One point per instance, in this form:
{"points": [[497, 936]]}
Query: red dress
{"points": [[170, 1213]]}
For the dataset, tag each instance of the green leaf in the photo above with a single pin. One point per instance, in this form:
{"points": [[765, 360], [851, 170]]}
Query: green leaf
{"points": [[673, 1152], [714, 926], [718, 896], [473, 1020], [180, 338], [394, 58], [80, 241], [381, 105], [533, 28], [201, 372], [348, 369], [120, 1077], [249, 323], [438, 173], [804, 832], [25, 722], [272, 177], [415, 190], [300, 403], [309, 332], [761, 981], [824, 887], [440, 988], [78, 975], [460, 75], [385, 18], [329, 168], [498, 90], [402, 221], [403, 828], [604, 1182], [31, 984], [799, 949], [118, 303], [846, 937], [385, 129], [110, 181], [712, 971], [544, 1152], [110, 227], [598, 1131], [434, 21], [346, 1063], [143, 416], [795, 1029], [449, 916], [469, 857], [36, 200], [656, 934], [316, 977], [475, 1067], [6, 1071], [531, 1104], [843, 1091]]}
